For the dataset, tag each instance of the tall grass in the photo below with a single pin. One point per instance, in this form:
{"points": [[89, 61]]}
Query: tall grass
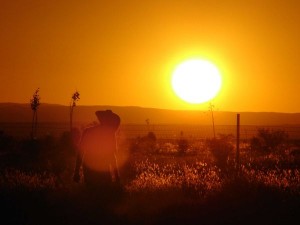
{"points": [[16, 179], [159, 185], [198, 178]]}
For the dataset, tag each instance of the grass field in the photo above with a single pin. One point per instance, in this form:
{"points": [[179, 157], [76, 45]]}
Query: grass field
{"points": [[164, 182]]}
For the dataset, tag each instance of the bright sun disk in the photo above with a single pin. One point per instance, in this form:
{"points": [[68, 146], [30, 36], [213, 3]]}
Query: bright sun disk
{"points": [[196, 81]]}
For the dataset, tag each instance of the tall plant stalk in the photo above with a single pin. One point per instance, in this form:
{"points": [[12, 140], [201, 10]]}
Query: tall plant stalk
{"points": [[34, 104], [211, 108], [75, 98]]}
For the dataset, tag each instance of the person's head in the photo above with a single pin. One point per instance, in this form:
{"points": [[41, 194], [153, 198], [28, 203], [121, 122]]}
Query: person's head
{"points": [[108, 118]]}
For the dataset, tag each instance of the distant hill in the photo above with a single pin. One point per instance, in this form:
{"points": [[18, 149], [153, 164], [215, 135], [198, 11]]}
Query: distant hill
{"points": [[15, 112]]}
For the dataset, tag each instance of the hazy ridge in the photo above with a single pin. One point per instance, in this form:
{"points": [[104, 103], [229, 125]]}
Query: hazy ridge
{"points": [[16, 112]]}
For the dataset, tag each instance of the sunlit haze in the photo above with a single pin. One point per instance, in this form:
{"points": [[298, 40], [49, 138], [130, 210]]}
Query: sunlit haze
{"points": [[123, 53]]}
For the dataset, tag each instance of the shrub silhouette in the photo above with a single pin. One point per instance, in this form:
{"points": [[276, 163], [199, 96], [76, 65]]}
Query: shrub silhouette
{"points": [[7, 142], [267, 141], [182, 144], [31, 149], [146, 144], [221, 148]]}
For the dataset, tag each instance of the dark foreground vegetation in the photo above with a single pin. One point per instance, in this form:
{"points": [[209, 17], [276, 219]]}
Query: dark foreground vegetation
{"points": [[164, 182]]}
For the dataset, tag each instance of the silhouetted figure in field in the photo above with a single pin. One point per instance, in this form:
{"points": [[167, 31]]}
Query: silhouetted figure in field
{"points": [[97, 153]]}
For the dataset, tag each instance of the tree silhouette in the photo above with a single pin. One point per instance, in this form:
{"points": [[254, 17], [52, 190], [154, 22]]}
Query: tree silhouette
{"points": [[75, 98], [34, 104]]}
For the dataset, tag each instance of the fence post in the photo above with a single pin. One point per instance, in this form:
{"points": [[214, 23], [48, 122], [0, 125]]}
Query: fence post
{"points": [[238, 142]]}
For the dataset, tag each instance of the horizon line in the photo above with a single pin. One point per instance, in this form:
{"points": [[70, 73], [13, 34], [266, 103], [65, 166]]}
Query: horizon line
{"points": [[148, 107]]}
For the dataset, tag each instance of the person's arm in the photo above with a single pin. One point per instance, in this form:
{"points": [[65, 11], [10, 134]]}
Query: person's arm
{"points": [[116, 143]]}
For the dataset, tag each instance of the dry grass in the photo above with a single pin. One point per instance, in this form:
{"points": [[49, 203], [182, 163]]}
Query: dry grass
{"points": [[160, 188]]}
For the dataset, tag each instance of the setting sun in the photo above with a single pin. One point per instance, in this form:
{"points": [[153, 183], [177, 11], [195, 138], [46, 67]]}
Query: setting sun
{"points": [[196, 81]]}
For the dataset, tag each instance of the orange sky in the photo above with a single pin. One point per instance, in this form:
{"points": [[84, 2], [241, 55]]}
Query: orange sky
{"points": [[123, 52]]}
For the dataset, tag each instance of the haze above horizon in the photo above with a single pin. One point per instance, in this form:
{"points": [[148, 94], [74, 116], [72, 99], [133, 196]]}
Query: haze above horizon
{"points": [[123, 53]]}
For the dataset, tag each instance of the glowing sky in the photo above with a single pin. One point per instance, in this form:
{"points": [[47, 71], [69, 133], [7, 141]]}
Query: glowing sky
{"points": [[123, 52]]}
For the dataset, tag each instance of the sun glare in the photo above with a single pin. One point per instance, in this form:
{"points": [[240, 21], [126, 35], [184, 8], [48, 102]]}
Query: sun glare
{"points": [[196, 81]]}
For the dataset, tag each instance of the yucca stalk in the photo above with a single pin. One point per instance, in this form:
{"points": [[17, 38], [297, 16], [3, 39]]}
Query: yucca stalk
{"points": [[34, 104], [75, 98]]}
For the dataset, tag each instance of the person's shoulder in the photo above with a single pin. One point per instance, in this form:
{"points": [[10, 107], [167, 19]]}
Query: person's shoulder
{"points": [[91, 129]]}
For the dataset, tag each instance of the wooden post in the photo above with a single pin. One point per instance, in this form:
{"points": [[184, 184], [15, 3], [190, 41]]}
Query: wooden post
{"points": [[238, 142]]}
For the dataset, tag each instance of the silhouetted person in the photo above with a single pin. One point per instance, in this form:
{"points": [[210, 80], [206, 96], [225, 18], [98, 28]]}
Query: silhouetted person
{"points": [[97, 152]]}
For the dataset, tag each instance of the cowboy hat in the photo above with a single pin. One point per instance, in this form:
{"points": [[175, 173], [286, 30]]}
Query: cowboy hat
{"points": [[107, 117]]}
